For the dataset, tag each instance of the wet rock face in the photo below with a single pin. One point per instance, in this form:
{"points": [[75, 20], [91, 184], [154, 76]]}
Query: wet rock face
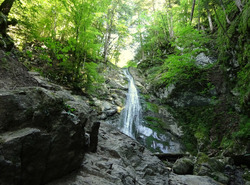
{"points": [[39, 140], [177, 97]]}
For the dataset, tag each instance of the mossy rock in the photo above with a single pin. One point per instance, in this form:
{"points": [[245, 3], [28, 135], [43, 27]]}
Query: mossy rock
{"points": [[220, 177], [207, 166], [246, 175], [152, 107], [156, 124], [183, 166]]}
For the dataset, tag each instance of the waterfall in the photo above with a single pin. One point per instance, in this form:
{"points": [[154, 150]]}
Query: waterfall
{"points": [[132, 114], [133, 124]]}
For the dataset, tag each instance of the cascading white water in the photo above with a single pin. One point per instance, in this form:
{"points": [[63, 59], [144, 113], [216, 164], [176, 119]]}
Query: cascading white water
{"points": [[132, 113], [134, 126]]}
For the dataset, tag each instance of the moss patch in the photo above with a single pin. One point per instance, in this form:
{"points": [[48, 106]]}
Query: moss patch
{"points": [[152, 107]]}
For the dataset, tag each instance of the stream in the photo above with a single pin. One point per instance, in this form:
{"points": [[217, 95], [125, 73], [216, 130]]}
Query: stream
{"points": [[133, 124]]}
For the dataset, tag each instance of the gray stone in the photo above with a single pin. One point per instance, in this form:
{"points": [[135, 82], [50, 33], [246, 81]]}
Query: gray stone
{"points": [[103, 105], [116, 85], [191, 180], [203, 60], [118, 102], [103, 116], [189, 99], [164, 93], [119, 160], [43, 82], [111, 112]]}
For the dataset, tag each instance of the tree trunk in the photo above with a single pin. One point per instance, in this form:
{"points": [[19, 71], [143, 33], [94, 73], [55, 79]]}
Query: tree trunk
{"points": [[192, 12], [224, 30], [7, 43], [153, 4], [239, 4], [171, 28], [108, 34], [142, 50], [199, 16], [6, 6], [222, 5], [210, 20], [165, 27]]}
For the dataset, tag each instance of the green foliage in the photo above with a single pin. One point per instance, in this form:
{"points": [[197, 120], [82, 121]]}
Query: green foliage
{"points": [[131, 64], [70, 35], [92, 77], [156, 124], [227, 142], [196, 123], [69, 109], [29, 53], [190, 39], [244, 129], [232, 38], [152, 122], [202, 158], [152, 107], [241, 135], [243, 85], [178, 67]]}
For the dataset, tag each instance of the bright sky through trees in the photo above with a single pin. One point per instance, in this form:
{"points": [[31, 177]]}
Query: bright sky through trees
{"points": [[129, 52]]}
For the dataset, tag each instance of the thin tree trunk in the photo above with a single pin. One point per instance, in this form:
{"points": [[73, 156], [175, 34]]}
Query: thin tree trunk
{"points": [[153, 3], [6, 6], [164, 28], [107, 39], [210, 20], [55, 25], [171, 29], [239, 4], [142, 50], [108, 35], [192, 12], [224, 10], [199, 17], [224, 30], [141, 37]]}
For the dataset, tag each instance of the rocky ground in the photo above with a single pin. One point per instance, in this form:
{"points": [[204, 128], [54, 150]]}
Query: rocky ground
{"points": [[121, 160]]}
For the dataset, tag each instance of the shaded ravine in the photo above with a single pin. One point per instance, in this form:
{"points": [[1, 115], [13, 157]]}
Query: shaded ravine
{"points": [[133, 125]]}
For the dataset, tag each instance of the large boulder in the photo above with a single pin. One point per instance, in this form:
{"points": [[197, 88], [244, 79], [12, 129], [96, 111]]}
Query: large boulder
{"points": [[40, 140], [206, 165], [218, 168], [183, 166]]}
